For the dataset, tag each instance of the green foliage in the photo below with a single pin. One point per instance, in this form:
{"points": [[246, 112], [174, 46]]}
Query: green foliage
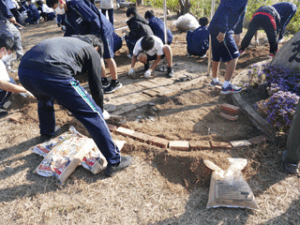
{"points": [[202, 8]]}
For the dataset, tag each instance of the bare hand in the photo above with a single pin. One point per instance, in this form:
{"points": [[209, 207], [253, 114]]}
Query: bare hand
{"points": [[12, 20], [221, 37]]}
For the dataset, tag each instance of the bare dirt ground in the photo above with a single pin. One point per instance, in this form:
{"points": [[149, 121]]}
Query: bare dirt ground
{"points": [[162, 186]]}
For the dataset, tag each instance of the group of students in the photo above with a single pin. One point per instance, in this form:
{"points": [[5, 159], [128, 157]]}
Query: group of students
{"points": [[48, 69]]}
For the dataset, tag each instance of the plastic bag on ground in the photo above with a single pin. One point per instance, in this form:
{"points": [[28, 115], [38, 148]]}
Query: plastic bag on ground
{"points": [[228, 188], [186, 22]]}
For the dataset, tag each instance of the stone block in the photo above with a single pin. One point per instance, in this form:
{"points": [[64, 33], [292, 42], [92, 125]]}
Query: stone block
{"points": [[228, 117], [160, 142], [199, 145], [231, 110], [220, 145], [112, 127], [179, 145], [240, 143], [125, 131], [258, 140], [142, 137]]}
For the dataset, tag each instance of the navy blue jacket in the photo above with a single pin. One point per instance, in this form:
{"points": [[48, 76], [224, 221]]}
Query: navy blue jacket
{"points": [[285, 10], [227, 16], [82, 17], [31, 9], [273, 12], [197, 41], [139, 27], [4, 10], [239, 27], [158, 26]]}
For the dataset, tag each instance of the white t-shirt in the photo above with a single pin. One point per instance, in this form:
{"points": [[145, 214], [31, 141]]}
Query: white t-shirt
{"points": [[46, 9], [156, 50], [3, 72], [107, 4]]}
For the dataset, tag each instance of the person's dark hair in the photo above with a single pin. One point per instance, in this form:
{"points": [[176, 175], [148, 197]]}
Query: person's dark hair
{"points": [[93, 40], [6, 40], [39, 3], [147, 43], [149, 14], [50, 3], [203, 21], [131, 11]]}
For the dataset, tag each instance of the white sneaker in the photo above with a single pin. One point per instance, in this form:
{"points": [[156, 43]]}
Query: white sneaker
{"points": [[129, 56], [106, 115]]}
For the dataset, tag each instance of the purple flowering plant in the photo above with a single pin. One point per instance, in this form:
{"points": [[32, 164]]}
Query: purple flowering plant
{"points": [[283, 86]]}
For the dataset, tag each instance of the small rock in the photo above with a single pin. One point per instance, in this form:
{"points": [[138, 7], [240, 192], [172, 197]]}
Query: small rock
{"points": [[110, 107], [9, 169], [152, 104], [107, 99]]}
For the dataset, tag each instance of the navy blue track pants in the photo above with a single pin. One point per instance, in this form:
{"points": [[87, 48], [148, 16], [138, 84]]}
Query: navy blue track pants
{"points": [[268, 26], [70, 94]]}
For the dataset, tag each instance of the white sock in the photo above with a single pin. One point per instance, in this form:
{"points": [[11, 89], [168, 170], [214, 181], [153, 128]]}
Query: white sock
{"points": [[226, 84], [215, 80]]}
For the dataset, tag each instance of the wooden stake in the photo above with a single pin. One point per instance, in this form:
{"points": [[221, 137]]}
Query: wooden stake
{"points": [[209, 50]]}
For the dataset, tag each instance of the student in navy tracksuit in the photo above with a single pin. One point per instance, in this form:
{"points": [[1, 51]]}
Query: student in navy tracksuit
{"points": [[32, 12], [198, 40], [239, 27], [46, 12], [7, 21], [138, 26], [48, 71], [117, 42], [84, 18], [268, 19], [158, 27], [286, 11], [221, 29]]}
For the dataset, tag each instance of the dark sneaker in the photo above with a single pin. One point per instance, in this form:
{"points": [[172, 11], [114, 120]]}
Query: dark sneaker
{"points": [[3, 112], [146, 66], [230, 89], [241, 52], [105, 82], [217, 83], [114, 85], [45, 137], [170, 73], [291, 168], [112, 170]]}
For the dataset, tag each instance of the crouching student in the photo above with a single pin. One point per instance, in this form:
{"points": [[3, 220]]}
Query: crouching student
{"points": [[7, 84], [138, 26], [268, 19], [158, 27], [48, 70], [198, 40], [150, 48], [32, 12], [46, 12]]}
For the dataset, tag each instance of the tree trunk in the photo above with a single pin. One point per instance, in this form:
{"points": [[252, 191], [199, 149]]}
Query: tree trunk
{"points": [[185, 6]]}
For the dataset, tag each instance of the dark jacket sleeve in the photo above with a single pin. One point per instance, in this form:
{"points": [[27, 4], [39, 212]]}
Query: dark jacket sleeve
{"points": [[94, 75], [239, 27], [5, 12], [87, 14]]}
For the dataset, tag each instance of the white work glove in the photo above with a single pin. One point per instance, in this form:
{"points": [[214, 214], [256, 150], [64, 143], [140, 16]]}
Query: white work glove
{"points": [[106, 115], [147, 73], [256, 42], [27, 94], [131, 72]]}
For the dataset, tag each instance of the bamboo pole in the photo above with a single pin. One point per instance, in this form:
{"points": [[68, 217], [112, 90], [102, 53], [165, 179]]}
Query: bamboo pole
{"points": [[212, 12], [165, 21]]}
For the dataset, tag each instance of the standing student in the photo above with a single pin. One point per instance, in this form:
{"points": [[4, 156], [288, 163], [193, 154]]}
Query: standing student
{"points": [[84, 18], [138, 26], [239, 27], [7, 84], [48, 70], [158, 27], [7, 21], [224, 48], [198, 40], [13, 7], [108, 6], [286, 11], [268, 19]]}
